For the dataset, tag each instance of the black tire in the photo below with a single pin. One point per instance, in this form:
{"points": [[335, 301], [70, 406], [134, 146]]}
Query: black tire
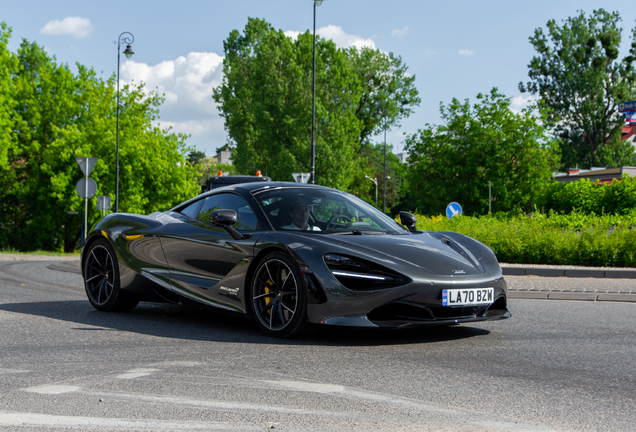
{"points": [[101, 279], [279, 297]]}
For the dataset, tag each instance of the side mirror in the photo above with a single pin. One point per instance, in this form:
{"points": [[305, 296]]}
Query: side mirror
{"points": [[226, 218], [408, 220]]}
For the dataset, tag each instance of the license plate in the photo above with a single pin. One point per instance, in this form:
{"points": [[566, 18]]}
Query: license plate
{"points": [[467, 296]]}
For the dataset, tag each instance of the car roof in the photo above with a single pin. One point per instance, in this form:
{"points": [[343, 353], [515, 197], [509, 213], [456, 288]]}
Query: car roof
{"points": [[251, 188]]}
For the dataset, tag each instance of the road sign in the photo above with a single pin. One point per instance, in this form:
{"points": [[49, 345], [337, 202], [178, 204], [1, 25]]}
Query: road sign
{"points": [[86, 164], [301, 177], [82, 189], [103, 202], [453, 209], [630, 116]]}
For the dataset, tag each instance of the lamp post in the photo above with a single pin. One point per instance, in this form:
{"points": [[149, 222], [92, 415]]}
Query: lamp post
{"points": [[313, 104], [384, 179], [374, 180], [381, 113], [128, 39]]}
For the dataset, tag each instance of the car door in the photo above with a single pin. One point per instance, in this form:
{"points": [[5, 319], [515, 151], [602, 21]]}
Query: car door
{"points": [[206, 264]]}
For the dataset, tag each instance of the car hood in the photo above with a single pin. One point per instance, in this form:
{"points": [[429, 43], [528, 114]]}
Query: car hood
{"points": [[439, 253]]}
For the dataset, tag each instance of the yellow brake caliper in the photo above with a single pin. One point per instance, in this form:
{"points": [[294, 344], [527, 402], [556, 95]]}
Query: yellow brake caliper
{"points": [[266, 289]]}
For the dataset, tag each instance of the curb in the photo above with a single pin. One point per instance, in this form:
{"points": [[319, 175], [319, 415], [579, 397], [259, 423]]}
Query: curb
{"points": [[579, 296], [568, 272]]}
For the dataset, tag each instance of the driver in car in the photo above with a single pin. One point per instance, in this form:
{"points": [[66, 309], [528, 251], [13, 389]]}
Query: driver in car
{"points": [[300, 216]]}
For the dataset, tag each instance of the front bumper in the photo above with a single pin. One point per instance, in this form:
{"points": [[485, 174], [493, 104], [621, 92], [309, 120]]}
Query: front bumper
{"points": [[416, 304]]}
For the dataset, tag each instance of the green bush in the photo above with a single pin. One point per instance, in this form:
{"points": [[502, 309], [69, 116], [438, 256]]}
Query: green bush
{"points": [[552, 238], [617, 197]]}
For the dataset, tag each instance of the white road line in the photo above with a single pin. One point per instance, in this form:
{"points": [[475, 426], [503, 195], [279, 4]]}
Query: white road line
{"points": [[177, 364], [137, 373], [472, 417], [475, 418], [183, 401], [53, 389], [12, 371], [53, 421], [361, 395]]}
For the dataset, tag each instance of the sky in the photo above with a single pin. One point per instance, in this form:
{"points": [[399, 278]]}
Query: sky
{"points": [[455, 49]]}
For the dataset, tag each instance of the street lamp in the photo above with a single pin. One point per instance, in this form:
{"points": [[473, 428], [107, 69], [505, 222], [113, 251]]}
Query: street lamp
{"points": [[313, 104], [128, 39], [379, 113], [374, 180]]}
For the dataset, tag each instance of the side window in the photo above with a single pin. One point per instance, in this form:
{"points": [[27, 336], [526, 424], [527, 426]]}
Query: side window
{"points": [[192, 209], [246, 219]]}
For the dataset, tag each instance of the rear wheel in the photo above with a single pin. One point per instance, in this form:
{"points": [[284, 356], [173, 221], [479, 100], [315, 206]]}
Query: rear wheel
{"points": [[101, 279], [279, 300]]}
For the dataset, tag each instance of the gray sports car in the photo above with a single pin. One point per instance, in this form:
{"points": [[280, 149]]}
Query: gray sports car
{"points": [[289, 255]]}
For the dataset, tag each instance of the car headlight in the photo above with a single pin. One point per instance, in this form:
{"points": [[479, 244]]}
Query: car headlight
{"points": [[359, 275]]}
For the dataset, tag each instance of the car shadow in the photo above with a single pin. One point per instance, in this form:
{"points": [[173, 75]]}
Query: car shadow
{"points": [[178, 322]]}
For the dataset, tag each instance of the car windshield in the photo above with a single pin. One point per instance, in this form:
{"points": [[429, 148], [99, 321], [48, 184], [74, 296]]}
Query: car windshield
{"points": [[323, 211]]}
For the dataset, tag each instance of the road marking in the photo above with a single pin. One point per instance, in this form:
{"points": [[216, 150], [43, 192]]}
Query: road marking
{"points": [[361, 395], [177, 364], [466, 417], [471, 417], [12, 371], [54, 421], [53, 389], [310, 386], [183, 401], [137, 373]]}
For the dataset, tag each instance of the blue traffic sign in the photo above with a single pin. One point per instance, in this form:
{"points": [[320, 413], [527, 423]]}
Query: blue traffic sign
{"points": [[453, 209], [627, 106], [630, 116]]}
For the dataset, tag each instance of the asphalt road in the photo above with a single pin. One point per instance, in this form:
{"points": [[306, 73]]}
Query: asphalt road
{"points": [[555, 365]]}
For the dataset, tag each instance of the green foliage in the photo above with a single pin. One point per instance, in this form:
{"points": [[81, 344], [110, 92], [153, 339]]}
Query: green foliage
{"points": [[579, 77], [8, 63], [210, 167], [195, 157], [477, 144], [575, 239], [618, 197], [58, 116], [266, 100], [395, 172], [388, 91]]}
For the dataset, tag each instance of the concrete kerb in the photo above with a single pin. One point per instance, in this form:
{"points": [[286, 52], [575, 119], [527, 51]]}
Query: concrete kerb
{"points": [[568, 271]]}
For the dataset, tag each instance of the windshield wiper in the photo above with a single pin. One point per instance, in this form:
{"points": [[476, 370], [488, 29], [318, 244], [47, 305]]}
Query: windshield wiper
{"points": [[355, 232]]}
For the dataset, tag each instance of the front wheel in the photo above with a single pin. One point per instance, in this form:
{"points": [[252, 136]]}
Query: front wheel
{"points": [[279, 300], [101, 279]]}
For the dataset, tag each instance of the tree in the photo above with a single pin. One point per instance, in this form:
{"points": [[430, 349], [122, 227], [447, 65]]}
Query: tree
{"points": [[486, 142], [210, 167], [266, 98], [8, 207], [195, 157], [395, 171], [266, 101], [7, 67], [388, 91], [59, 116], [581, 80]]}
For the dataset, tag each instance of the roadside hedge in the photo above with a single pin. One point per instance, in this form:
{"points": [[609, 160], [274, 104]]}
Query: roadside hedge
{"points": [[549, 238], [618, 197]]}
